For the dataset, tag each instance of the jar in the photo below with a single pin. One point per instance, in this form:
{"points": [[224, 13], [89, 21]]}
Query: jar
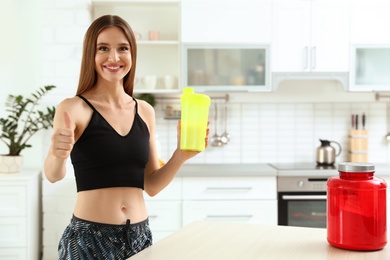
{"points": [[356, 208]]}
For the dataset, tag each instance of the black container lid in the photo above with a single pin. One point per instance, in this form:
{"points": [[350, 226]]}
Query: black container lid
{"points": [[356, 167]]}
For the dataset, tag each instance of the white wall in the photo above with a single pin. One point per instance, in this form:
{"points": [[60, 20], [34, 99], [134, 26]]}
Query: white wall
{"points": [[21, 56]]}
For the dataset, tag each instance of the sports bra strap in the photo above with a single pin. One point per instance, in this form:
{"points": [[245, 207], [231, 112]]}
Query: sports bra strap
{"points": [[89, 103], [136, 105], [86, 101]]}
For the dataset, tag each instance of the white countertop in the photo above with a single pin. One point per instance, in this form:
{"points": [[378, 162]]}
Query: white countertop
{"points": [[261, 169], [226, 170], [224, 240]]}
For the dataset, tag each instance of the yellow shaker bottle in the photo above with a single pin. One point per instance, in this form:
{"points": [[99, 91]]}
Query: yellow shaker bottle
{"points": [[194, 119]]}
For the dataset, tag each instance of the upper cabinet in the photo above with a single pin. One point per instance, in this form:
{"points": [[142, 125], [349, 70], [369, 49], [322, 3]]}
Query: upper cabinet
{"points": [[156, 25], [371, 68], [212, 67], [370, 52], [226, 21], [370, 22], [310, 36]]}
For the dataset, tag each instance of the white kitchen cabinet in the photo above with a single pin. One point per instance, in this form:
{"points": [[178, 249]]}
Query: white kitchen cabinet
{"points": [[224, 67], [310, 36], [253, 211], [370, 67], [165, 210], [238, 199], [226, 21], [156, 25], [370, 21], [19, 216]]}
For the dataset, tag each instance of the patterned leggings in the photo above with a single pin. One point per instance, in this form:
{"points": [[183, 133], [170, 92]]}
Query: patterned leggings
{"points": [[86, 240]]}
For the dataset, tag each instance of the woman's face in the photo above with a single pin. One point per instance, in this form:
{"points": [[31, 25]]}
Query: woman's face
{"points": [[113, 57]]}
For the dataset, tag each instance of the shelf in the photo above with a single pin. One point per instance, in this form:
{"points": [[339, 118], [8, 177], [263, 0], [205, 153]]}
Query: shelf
{"points": [[132, 2], [156, 91], [172, 117], [146, 42]]}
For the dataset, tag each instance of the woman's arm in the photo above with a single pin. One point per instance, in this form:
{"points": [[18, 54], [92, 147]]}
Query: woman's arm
{"points": [[62, 141], [156, 177]]}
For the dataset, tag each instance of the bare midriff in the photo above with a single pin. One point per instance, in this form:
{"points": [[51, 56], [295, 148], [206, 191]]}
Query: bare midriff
{"points": [[111, 205]]}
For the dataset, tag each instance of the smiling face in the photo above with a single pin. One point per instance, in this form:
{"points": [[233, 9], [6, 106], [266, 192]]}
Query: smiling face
{"points": [[113, 58]]}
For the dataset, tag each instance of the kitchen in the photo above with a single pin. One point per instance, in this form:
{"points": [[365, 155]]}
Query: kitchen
{"points": [[282, 126]]}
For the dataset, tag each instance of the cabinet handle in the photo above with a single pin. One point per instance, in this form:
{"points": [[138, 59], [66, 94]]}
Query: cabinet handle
{"points": [[153, 216], [358, 64], [226, 189], [313, 57], [304, 197], [243, 217], [305, 57]]}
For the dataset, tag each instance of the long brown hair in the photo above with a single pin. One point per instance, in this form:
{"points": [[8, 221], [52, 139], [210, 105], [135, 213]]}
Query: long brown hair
{"points": [[88, 75]]}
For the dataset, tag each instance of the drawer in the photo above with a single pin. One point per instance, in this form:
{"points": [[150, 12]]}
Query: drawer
{"points": [[229, 188], [13, 232], [13, 201], [171, 192], [164, 215], [258, 212], [13, 253]]}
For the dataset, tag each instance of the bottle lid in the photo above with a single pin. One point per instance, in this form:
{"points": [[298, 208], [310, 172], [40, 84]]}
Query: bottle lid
{"points": [[356, 167], [188, 90], [194, 98]]}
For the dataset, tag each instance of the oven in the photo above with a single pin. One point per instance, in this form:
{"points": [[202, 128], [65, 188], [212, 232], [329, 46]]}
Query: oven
{"points": [[302, 195]]}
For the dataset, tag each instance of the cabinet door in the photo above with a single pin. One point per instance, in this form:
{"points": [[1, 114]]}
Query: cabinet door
{"points": [[225, 67], [13, 201], [255, 211], [291, 31], [370, 68], [164, 215], [311, 36], [234, 188], [13, 254], [227, 21], [330, 36], [370, 21], [13, 232]]}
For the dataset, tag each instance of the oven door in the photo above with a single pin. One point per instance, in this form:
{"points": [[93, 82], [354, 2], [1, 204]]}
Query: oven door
{"points": [[302, 209]]}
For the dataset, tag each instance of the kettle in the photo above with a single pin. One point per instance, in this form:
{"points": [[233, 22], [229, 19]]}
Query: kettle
{"points": [[326, 154]]}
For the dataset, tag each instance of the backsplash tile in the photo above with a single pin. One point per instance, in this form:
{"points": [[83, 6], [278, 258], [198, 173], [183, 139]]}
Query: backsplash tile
{"points": [[283, 132]]}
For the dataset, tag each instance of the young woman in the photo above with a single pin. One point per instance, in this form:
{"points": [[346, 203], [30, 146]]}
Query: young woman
{"points": [[110, 137]]}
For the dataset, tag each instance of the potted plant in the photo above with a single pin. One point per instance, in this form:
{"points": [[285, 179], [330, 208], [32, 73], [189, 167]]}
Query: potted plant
{"points": [[148, 98], [24, 119]]}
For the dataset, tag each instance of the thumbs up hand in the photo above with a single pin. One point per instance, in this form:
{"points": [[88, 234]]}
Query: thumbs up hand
{"points": [[62, 139]]}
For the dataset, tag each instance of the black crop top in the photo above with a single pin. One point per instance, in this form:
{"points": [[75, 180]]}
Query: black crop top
{"points": [[103, 158]]}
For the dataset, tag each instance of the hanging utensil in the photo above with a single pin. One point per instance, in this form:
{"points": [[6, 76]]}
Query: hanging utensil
{"points": [[388, 122], [225, 137], [216, 139]]}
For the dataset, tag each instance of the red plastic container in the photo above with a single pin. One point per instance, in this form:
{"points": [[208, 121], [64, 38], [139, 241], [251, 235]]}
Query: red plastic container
{"points": [[356, 208]]}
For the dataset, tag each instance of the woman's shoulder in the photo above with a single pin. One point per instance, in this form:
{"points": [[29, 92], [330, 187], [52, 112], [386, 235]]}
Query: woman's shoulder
{"points": [[75, 106], [71, 103], [145, 107]]}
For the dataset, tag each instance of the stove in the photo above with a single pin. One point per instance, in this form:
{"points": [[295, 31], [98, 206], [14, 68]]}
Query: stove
{"points": [[301, 166], [304, 169], [301, 191]]}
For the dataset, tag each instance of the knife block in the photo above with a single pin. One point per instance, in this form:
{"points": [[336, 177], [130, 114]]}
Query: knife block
{"points": [[358, 145]]}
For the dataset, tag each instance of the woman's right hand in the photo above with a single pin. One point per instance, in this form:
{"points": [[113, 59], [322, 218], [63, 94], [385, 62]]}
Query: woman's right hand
{"points": [[62, 139]]}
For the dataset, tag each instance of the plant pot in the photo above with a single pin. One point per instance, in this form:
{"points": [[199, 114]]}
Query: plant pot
{"points": [[10, 164]]}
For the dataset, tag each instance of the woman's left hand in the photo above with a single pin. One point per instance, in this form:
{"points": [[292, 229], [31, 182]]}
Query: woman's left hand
{"points": [[189, 154]]}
